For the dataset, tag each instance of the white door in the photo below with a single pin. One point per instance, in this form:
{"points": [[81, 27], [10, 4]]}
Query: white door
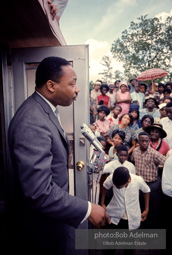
{"points": [[24, 63]]}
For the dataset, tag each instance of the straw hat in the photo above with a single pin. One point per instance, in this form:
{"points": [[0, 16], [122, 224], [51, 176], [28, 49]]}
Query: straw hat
{"points": [[159, 127]]}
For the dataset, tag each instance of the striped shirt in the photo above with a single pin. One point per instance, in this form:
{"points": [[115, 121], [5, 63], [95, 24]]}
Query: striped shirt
{"points": [[146, 164]]}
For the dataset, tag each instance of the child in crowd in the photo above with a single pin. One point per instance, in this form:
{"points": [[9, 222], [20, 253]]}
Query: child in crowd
{"points": [[109, 168], [114, 114], [93, 128], [117, 139], [122, 160], [103, 125]]}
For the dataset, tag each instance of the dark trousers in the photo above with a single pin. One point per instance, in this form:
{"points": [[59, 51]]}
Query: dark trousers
{"points": [[123, 224], [153, 220]]}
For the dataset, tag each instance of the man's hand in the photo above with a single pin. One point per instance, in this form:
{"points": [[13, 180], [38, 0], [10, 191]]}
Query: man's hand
{"points": [[97, 216], [106, 214], [53, 9], [144, 215]]}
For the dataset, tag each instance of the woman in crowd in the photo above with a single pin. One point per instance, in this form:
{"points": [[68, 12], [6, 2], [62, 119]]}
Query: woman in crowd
{"points": [[147, 120], [134, 111], [157, 134], [104, 88], [93, 95], [117, 139], [114, 114], [123, 97], [103, 125], [163, 113], [130, 134]]}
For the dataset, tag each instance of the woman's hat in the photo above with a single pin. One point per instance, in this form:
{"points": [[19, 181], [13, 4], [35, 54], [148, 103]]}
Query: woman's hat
{"points": [[134, 107], [123, 83], [159, 127], [151, 97]]}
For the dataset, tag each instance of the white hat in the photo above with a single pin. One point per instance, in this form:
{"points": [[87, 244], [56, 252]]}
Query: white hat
{"points": [[123, 83], [162, 105], [97, 83]]}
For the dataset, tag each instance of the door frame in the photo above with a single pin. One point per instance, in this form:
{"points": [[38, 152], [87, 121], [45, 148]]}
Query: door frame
{"points": [[15, 94]]}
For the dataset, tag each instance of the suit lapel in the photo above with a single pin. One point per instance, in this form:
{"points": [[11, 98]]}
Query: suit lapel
{"points": [[52, 116]]}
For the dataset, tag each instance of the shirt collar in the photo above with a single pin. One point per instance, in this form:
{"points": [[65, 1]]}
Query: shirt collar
{"points": [[48, 102]]}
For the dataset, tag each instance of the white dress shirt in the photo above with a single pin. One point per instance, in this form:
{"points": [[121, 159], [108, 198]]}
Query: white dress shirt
{"points": [[140, 97], [167, 177], [126, 200], [167, 126], [112, 165]]}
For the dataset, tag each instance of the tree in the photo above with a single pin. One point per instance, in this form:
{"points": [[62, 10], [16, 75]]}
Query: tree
{"points": [[147, 44], [107, 71]]}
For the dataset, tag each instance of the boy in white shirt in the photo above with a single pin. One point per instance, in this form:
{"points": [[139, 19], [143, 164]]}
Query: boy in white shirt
{"points": [[122, 153], [124, 208]]}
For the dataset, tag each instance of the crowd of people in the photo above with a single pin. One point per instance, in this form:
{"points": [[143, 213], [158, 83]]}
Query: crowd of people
{"points": [[135, 118]]}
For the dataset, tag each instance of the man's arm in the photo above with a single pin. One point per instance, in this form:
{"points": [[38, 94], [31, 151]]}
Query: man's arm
{"points": [[145, 212], [103, 197], [103, 204]]}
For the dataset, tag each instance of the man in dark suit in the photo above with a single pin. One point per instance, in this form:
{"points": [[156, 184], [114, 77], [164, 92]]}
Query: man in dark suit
{"points": [[44, 214]]}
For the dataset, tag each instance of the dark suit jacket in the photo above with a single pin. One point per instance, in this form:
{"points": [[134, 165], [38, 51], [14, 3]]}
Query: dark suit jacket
{"points": [[39, 152]]}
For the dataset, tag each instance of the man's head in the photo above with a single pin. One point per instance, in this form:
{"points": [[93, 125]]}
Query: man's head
{"points": [[162, 110], [111, 88], [169, 110], [143, 87], [161, 88], [137, 87], [56, 81], [144, 140], [121, 177], [133, 80], [167, 92], [97, 85], [122, 153]]}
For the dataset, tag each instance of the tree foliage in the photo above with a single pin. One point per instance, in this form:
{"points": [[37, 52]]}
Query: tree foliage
{"points": [[107, 74], [146, 44]]}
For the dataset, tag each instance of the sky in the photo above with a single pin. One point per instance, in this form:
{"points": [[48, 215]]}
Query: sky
{"points": [[98, 23]]}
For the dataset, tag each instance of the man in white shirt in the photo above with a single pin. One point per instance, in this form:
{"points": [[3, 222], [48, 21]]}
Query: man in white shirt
{"points": [[167, 124], [124, 208], [137, 95], [167, 178], [167, 199], [112, 94], [122, 153]]}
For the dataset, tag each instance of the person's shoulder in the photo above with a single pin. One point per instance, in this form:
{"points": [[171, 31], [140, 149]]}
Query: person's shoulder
{"points": [[164, 120], [168, 161], [142, 110], [136, 149], [128, 163], [165, 143], [136, 178]]}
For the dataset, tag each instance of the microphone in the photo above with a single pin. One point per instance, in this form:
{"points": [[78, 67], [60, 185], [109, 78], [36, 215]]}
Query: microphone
{"points": [[86, 131]]}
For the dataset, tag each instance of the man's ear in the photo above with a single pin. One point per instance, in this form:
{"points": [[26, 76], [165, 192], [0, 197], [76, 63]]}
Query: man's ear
{"points": [[50, 86]]}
